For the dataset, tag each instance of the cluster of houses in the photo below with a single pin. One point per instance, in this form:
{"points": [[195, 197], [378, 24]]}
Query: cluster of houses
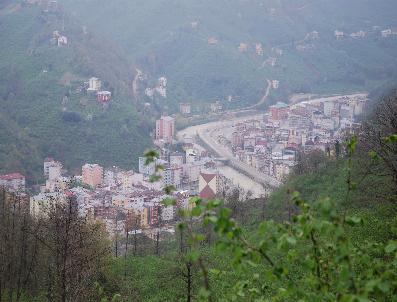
{"points": [[59, 39], [384, 33], [112, 196], [48, 6], [271, 144], [257, 47], [120, 198], [94, 88], [160, 89], [181, 169]]}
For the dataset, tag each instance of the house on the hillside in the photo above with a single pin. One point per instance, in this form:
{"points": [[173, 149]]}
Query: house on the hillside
{"points": [[358, 35], [216, 107], [275, 84], [339, 34], [386, 33], [103, 96], [259, 49], [185, 108], [243, 47], [271, 61], [212, 41], [314, 35], [59, 39], [94, 84]]}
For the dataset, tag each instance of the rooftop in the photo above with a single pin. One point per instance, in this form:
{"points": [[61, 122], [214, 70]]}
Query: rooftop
{"points": [[280, 105], [12, 176]]}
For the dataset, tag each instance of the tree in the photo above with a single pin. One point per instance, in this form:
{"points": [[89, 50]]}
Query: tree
{"points": [[379, 137], [309, 162], [337, 148], [59, 253]]}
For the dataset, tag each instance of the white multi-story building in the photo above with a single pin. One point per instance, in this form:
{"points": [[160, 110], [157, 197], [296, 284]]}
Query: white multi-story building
{"points": [[146, 169], [51, 163], [94, 84]]}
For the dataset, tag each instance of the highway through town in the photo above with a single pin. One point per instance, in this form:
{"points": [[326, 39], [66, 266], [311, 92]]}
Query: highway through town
{"points": [[241, 172], [250, 178]]}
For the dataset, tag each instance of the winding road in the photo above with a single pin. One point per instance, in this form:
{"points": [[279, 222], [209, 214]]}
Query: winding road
{"points": [[207, 141]]}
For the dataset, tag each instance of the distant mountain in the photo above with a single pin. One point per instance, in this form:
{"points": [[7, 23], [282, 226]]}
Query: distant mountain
{"points": [[44, 110], [171, 38]]}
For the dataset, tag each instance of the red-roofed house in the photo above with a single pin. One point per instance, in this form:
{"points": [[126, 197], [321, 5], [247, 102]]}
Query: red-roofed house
{"points": [[14, 182], [208, 185]]}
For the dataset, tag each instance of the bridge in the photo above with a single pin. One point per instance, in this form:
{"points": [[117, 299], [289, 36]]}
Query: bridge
{"points": [[223, 155], [222, 160]]}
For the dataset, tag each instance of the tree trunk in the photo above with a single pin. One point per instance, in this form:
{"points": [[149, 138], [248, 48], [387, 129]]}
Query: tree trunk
{"points": [[189, 281]]}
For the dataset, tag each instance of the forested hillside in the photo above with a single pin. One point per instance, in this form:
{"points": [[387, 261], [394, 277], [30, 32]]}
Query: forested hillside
{"points": [[44, 110], [170, 38]]}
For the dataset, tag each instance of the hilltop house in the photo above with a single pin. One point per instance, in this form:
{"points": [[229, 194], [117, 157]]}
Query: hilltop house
{"points": [[212, 41], [185, 108], [339, 34], [259, 49], [243, 47], [386, 33], [94, 84]]}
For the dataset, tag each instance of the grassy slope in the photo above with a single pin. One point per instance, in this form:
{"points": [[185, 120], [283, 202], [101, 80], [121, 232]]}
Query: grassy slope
{"points": [[31, 120], [157, 35]]}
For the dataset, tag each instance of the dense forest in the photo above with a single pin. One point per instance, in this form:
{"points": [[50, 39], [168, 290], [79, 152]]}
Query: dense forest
{"points": [[329, 234]]}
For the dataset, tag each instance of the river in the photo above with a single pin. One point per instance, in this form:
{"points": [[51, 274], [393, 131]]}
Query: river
{"points": [[238, 178]]}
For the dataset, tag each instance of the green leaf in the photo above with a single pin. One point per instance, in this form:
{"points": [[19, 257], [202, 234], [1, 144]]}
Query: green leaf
{"points": [[215, 271], [198, 237], [116, 298], [154, 178], [181, 226], [391, 247], [196, 211], [159, 168], [168, 202], [193, 256], [391, 138], [353, 220], [374, 155]]}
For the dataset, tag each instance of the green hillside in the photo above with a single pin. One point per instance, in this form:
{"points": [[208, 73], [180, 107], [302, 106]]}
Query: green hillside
{"points": [[160, 38], [36, 75]]}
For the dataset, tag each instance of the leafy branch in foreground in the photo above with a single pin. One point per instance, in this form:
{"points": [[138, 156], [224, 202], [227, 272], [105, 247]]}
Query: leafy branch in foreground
{"points": [[310, 259]]}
